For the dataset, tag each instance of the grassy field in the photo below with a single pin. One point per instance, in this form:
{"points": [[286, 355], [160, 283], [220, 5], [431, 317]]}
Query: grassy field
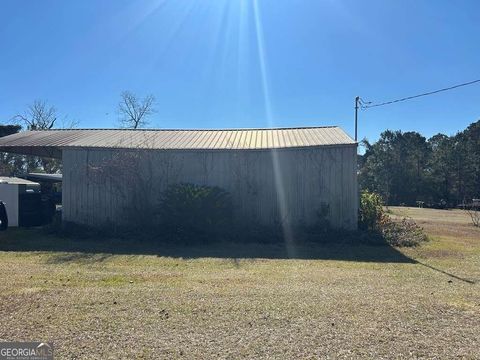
{"points": [[98, 300]]}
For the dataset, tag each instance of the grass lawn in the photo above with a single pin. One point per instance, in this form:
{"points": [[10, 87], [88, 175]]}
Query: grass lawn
{"points": [[98, 300]]}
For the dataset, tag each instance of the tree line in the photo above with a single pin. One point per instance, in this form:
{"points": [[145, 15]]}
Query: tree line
{"points": [[406, 168]]}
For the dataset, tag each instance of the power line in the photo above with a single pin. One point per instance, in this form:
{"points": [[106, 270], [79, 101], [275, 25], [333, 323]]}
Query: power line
{"points": [[368, 104]]}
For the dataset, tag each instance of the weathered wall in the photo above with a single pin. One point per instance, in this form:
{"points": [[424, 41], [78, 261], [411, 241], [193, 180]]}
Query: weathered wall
{"points": [[265, 185]]}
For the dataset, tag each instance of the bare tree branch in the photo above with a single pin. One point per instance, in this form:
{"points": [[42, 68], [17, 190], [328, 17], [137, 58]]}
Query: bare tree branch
{"points": [[39, 116], [134, 111], [474, 212]]}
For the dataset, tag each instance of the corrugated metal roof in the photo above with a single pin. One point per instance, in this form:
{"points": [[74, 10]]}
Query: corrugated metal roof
{"points": [[241, 139]]}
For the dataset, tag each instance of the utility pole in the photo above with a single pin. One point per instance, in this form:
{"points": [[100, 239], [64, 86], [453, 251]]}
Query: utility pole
{"points": [[357, 100]]}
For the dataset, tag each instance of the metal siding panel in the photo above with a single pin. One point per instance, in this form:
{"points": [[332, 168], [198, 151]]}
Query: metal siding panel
{"points": [[309, 175], [66, 185]]}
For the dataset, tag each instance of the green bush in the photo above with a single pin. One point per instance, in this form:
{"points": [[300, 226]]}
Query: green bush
{"points": [[371, 213], [375, 221], [195, 213]]}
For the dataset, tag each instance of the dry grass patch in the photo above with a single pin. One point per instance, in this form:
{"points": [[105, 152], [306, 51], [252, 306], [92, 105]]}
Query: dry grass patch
{"points": [[339, 304]]}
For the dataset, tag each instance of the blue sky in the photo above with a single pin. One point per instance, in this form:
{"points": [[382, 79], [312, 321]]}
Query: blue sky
{"points": [[245, 63]]}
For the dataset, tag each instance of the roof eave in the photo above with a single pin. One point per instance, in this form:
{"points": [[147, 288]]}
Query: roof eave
{"points": [[42, 151]]}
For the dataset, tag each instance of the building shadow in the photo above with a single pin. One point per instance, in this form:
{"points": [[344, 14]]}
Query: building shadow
{"points": [[97, 249]]}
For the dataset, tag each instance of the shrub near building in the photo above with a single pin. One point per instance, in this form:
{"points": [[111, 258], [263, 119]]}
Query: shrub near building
{"points": [[197, 213], [374, 220]]}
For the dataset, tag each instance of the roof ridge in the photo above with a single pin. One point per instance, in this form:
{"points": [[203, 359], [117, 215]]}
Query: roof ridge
{"points": [[173, 129]]}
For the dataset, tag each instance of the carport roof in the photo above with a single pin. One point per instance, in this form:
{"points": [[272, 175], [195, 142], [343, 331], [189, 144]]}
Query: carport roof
{"points": [[51, 142], [15, 181]]}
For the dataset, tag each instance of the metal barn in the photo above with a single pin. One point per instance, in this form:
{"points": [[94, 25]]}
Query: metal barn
{"points": [[282, 174]]}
